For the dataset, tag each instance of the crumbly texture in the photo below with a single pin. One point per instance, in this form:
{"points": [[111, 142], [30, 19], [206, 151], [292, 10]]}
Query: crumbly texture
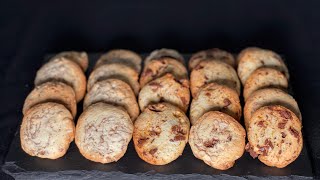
{"points": [[274, 136], [253, 58], [116, 92], [103, 133], [215, 97], [269, 96], [163, 53], [52, 92], [210, 55], [121, 56], [81, 58], [115, 71], [217, 139], [65, 71], [157, 68], [47, 130], [161, 133], [166, 89], [213, 71], [264, 78]]}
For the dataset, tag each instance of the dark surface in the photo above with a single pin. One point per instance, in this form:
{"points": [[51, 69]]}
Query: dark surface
{"points": [[30, 30]]}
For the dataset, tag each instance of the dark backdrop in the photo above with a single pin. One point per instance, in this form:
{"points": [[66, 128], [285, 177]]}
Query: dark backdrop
{"points": [[30, 30]]}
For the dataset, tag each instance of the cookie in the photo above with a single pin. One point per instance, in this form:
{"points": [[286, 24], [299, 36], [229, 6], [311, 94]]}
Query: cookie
{"points": [[52, 92], [274, 136], [166, 89], [65, 71], [215, 97], [113, 91], [47, 130], [81, 58], [115, 71], [121, 56], [217, 139], [269, 96], [253, 58], [211, 54], [103, 133], [164, 53], [157, 68], [161, 133], [213, 71], [264, 78]]}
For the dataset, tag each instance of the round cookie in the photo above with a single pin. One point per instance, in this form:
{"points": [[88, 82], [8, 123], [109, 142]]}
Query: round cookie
{"points": [[164, 53], [161, 133], [65, 71], [166, 89], [52, 92], [115, 71], [157, 68], [217, 139], [103, 133], [253, 58], [215, 97], [81, 58], [274, 136], [47, 130], [211, 54], [264, 78], [121, 56], [213, 71], [269, 96], [116, 92]]}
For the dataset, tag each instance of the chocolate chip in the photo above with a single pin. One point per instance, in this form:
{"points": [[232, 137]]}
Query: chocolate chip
{"points": [[226, 102], [179, 138], [211, 143], [285, 114], [141, 141], [208, 94], [282, 124], [294, 132], [156, 107], [261, 124], [283, 135], [249, 149], [183, 100], [267, 142], [176, 129], [152, 151]]}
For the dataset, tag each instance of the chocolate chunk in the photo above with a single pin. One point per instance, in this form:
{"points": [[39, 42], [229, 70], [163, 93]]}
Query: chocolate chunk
{"points": [[183, 100], [263, 149], [229, 138], [267, 142], [226, 102], [176, 129], [156, 107], [261, 124], [179, 138], [285, 114], [152, 151], [294, 132], [141, 141], [208, 94], [283, 135], [249, 149], [282, 124], [210, 143]]}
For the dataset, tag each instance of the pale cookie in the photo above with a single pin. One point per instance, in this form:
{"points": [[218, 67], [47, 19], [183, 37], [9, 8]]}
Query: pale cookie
{"points": [[217, 139], [164, 53], [215, 97], [161, 133], [47, 130], [213, 71], [113, 91], [81, 58], [57, 92], [65, 71], [274, 136], [103, 133]]}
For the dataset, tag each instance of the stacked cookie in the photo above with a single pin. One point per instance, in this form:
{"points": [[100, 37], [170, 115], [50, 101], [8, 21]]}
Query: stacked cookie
{"points": [[161, 131], [216, 136], [47, 127], [105, 127], [272, 116]]}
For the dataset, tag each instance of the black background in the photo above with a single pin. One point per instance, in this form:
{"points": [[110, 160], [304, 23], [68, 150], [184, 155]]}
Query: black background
{"points": [[30, 30]]}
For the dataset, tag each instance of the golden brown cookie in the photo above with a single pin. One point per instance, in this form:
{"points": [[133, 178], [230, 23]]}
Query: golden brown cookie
{"points": [[81, 58], [164, 53], [161, 133]]}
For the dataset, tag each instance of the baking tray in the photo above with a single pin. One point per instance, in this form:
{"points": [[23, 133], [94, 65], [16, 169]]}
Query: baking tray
{"points": [[73, 165]]}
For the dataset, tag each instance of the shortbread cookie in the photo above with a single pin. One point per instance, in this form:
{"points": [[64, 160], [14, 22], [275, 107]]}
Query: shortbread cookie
{"points": [[65, 71], [81, 58], [115, 71], [164, 53], [211, 54], [52, 92], [213, 71], [166, 89], [160, 67], [103, 133], [217, 139], [215, 97], [121, 56], [113, 91], [264, 78], [270, 96], [161, 133], [253, 58], [47, 130], [274, 136]]}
